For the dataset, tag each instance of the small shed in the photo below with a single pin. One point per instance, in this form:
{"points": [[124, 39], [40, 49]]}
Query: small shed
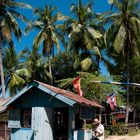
{"points": [[44, 112], [4, 130]]}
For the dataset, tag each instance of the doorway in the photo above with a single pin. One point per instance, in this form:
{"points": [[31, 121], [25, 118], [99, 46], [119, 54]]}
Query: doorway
{"points": [[61, 123]]}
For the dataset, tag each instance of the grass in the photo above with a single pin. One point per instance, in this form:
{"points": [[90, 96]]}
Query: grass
{"points": [[107, 133], [133, 132]]}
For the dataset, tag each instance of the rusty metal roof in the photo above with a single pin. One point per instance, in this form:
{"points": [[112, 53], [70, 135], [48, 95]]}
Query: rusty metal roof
{"points": [[65, 96], [71, 95]]}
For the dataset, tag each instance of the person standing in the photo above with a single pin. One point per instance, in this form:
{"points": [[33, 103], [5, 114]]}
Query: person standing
{"points": [[98, 130]]}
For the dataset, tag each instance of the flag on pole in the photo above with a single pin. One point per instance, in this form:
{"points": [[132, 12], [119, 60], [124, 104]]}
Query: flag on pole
{"points": [[111, 99], [77, 86]]}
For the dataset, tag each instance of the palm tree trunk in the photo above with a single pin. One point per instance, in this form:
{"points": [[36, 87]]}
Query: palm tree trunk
{"points": [[127, 98], [134, 106], [50, 68], [1, 71], [128, 75], [127, 88]]}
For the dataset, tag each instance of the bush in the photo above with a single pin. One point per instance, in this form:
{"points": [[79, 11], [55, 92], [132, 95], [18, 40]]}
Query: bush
{"points": [[107, 133], [118, 129], [87, 126]]}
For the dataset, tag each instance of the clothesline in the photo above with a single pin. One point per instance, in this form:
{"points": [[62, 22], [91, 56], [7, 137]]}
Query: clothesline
{"points": [[117, 83]]}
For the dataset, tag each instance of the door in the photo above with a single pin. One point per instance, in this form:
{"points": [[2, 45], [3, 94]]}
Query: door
{"points": [[42, 123], [61, 123]]}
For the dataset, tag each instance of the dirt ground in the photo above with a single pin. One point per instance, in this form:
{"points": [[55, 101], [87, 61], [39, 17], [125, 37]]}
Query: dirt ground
{"points": [[136, 137]]}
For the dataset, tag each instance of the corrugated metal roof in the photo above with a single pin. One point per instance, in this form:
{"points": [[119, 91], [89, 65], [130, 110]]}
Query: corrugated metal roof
{"points": [[65, 96], [71, 95], [2, 102]]}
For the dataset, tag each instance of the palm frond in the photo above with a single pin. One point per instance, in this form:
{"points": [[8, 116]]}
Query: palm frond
{"points": [[135, 28], [18, 4], [56, 41], [120, 39], [38, 39], [14, 26], [23, 72], [19, 16], [21, 54], [6, 32], [15, 81], [86, 64], [94, 33]]}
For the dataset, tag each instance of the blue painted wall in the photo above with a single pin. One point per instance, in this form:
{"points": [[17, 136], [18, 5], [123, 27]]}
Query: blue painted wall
{"points": [[22, 134], [37, 98]]}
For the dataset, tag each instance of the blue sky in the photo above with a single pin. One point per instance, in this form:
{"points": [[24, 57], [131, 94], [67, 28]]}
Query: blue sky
{"points": [[63, 6]]}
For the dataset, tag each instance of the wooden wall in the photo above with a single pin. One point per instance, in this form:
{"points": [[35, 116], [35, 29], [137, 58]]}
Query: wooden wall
{"points": [[4, 131]]}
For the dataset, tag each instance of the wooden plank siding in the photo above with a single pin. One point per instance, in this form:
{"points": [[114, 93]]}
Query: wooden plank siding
{"points": [[4, 131]]}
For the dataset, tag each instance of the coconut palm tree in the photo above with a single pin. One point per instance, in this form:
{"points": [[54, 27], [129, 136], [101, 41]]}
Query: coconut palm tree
{"points": [[123, 33], [17, 75], [9, 25], [37, 66], [82, 34], [47, 24]]}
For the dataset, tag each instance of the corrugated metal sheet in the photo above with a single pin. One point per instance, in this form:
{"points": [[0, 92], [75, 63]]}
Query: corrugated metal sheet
{"points": [[65, 96], [71, 95], [61, 97]]}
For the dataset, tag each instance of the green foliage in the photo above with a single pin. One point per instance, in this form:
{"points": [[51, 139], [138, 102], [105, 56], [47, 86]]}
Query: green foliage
{"points": [[38, 66], [98, 91], [135, 69], [87, 42], [88, 126], [9, 16], [83, 35], [94, 91], [118, 129], [121, 129], [14, 69], [9, 23]]}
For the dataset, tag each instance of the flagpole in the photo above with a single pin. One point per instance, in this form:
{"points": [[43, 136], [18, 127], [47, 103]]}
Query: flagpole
{"points": [[60, 90], [63, 87]]}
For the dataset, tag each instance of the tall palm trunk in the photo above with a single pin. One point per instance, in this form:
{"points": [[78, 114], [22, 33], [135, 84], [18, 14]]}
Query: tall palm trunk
{"points": [[128, 74], [127, 93], [1, 71], [50, 68], [134, 106]]}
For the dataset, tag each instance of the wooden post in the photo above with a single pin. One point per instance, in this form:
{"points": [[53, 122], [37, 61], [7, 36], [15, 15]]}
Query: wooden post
{"points": [[100, 111], [100, 115], [105, 120], [5, 135]]}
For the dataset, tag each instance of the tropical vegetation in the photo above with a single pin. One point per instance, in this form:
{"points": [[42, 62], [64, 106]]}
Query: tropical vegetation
{"points": [[75, 44], [8, 26]]}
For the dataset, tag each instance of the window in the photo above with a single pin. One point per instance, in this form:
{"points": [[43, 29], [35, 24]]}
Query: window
{"points": [[26, 117]]}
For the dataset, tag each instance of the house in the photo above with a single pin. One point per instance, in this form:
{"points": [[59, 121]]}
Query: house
{"points": [[44, 112], [4, 130]]}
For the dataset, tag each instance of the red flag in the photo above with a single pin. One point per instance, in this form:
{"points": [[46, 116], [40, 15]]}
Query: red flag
{"points": [[112, 101], [77, 86]]}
